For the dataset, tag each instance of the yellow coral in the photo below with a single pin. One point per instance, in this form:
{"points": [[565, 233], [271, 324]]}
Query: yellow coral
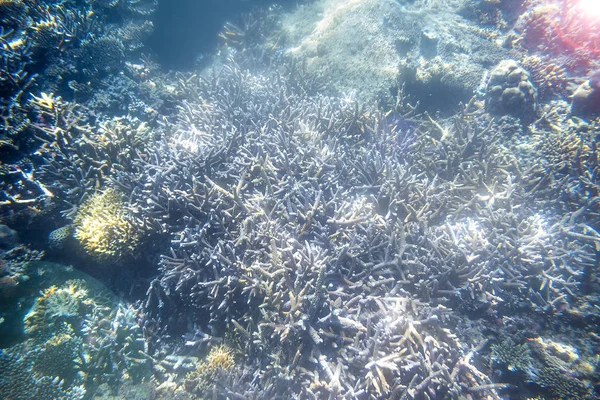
{"points": [[105, 228], [219, 359], [45, 101]]}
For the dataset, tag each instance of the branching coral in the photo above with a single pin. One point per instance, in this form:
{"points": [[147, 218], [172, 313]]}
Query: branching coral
{"points": [[105, 228], [220, 360], [56, 305], [115, 347]]}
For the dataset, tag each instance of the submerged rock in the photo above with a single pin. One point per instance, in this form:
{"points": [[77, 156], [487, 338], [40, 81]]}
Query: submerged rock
{"points": [[586, 99], [8, 237]]}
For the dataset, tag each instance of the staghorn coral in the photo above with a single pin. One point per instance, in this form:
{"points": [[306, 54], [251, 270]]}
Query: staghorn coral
{"points": [[115, 347], [105, 228], [45, 45], [339, 248], [12, 12], [300, 223]]}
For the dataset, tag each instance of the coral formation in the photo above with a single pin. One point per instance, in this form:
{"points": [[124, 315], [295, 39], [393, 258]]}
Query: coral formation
{"points": [[512, 356], [115, 347], [105, 228], [509, 91], [54, 306], [19, 381], [60, 357], [555, 368], [365, 48], [58, 239], [80, 338], [550, 79], [343, 244], [49, 47], [8, 237], [101, 56], [220, 360]]}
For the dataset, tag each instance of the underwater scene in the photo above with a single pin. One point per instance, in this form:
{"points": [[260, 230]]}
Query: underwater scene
{"points": [[299, 199]]}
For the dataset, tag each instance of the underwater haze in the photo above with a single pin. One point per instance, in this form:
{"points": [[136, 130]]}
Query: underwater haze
{"points": [[308, 199]]}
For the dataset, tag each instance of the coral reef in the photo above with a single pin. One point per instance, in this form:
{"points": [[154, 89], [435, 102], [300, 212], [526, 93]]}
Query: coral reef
{"points": [[53, 47], [550, 79], [116, 349], [60, 357], [8, 237], [219, 361], [308, 240], [512, 356], [557, 369], [340, 248], [79, 338], [263, 226], [365, 48], [562, 28], [56, 305]]}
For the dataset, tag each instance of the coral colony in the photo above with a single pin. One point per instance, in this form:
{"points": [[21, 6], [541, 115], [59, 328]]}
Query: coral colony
{"points": [[345, 200]]}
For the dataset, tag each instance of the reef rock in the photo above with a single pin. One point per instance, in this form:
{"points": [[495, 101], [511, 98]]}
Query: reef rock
{"points": [[8, 237], [369, 47], [586, 99]]}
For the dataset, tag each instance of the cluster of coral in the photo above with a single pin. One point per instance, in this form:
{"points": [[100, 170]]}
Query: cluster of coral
{"points": [[385, 208], [78, 339]]}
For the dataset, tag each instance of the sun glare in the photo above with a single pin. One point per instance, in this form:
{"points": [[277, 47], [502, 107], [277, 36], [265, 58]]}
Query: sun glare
{"points": [[590, 8]]}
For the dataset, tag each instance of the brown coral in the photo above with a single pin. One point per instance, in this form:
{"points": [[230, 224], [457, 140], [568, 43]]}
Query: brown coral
{"points": [[549, 78]]}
